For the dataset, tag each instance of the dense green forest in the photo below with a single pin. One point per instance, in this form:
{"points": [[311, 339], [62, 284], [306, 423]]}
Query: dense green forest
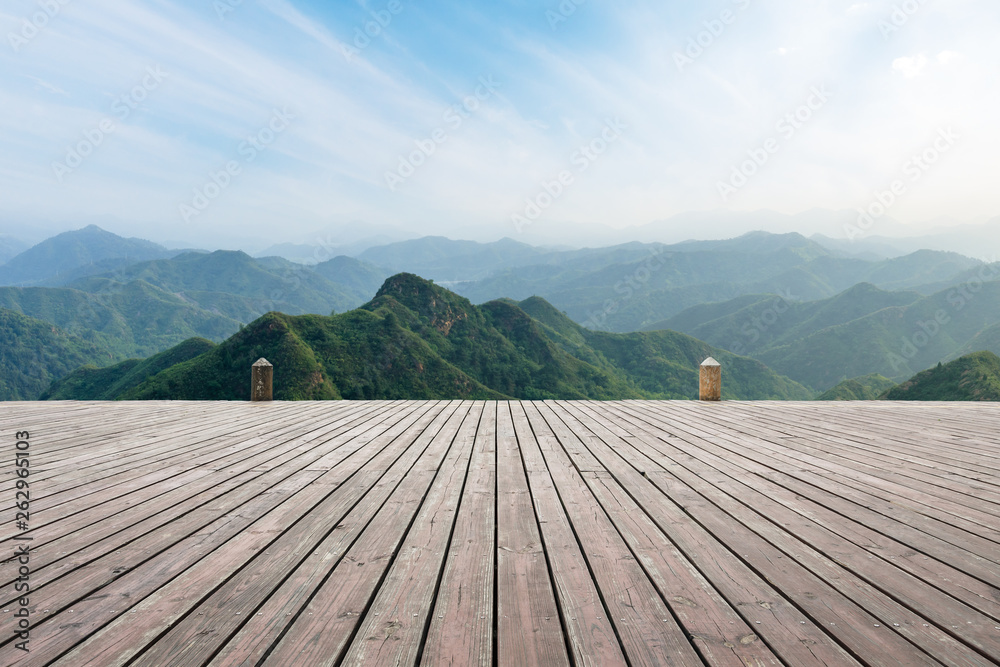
{"points": [[974, 377], [34, 353], [866, 388], [594, 322], [418, 340]]}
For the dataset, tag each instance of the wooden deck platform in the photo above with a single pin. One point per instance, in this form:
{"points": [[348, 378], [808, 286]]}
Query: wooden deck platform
{"points": [[472, 533]]}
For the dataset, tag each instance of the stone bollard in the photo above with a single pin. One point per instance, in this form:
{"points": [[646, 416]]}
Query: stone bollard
{"points": [[261, 381], [711, 380]]}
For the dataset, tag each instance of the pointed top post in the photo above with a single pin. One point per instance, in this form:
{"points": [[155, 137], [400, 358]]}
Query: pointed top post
{"points": [[261, 381], [710, 380]]}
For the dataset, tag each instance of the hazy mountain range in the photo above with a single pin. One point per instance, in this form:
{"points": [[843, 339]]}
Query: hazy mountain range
{"points": [[418, 340], [814, 311]]}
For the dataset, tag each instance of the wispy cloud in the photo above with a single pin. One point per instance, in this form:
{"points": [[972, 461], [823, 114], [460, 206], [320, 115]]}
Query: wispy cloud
{"points": [[356, 116]]}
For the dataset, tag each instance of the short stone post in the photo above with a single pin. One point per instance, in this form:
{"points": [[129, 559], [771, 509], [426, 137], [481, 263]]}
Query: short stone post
{"points": [[711, 380], [261, 381]]}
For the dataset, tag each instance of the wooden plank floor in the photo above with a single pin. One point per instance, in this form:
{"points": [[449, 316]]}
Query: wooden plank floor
{"points": [[485, 533]]}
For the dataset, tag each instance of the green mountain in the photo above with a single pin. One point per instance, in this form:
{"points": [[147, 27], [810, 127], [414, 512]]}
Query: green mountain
{"points": [[636, 287], [107, 383], [660, 362], [128, 320], [418, 340], [145, 308], [444, 259], [860, 331], [752, 324], [974, 377], [359, 279], [234, 284], [865, 388], [72, 254], [895, 342], [34, 353], [987, 339]]}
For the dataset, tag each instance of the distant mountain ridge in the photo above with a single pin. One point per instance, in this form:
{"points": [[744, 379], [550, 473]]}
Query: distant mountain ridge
{"points": [[69, 253], [243, 288], [860, 331], [419, 340], [126, 320], [815, 313], [646, 284]]}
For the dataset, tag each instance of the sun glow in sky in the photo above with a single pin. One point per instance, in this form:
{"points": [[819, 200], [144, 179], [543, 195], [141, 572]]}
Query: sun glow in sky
{"points": [[215, 120]]}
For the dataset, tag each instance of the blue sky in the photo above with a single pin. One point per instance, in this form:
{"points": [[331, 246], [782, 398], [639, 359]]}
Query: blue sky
{"points": [[268, 120]]}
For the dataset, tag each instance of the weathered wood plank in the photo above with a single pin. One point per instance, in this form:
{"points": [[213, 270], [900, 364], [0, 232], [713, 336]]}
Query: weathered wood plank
{"points": [[391, 631], [646, 627], [589, 633], [461, 627], [773, 533], [529, 632], [811, 545]]}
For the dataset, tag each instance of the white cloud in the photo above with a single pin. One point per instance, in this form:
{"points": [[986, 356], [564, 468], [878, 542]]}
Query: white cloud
{"points": [[45, 85], [355, 118], [910, 66], [946, 57]]}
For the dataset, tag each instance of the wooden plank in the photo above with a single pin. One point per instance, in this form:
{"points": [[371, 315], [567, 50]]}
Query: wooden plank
{"points": [[589, 634], [325, 626], [891, 507], [140, 561], [860, 527], [391, 631], [206, 621], [908, 468], [948, 527], [81, 633], [96, 531], [720, 634], [646, 628], [960, 548], [194, 459], [259, 633], [790, 634], [807, 543], [529, 632], [461, 627]]}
